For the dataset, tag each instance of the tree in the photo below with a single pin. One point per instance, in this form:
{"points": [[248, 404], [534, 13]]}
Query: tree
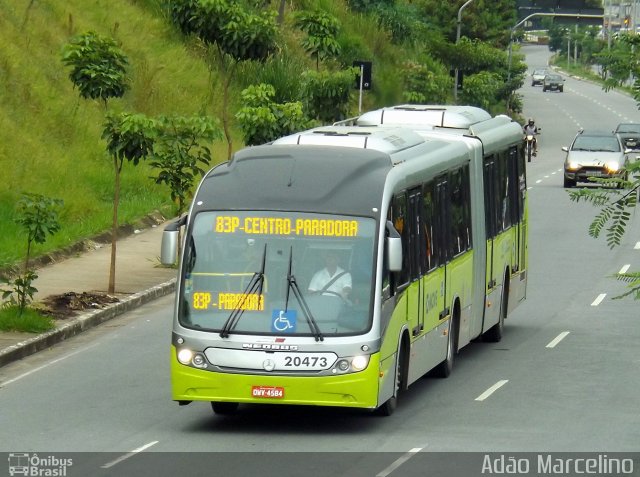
{"points": [[263, 120], [235, 33], [425, 83], [326, 95], [38, 216], [129, 137], [481, 89], [180, 153], [485, 20], [98, 66], [98, 70], [322, 30]]}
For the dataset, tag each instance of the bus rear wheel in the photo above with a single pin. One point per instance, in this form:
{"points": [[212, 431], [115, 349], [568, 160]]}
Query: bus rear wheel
{"points": [[494, 334], [224, 408], [443, 370]]}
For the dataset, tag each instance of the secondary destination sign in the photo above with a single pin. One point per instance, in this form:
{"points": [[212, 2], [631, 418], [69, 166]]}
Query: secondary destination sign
{"points": [[283, 226]]}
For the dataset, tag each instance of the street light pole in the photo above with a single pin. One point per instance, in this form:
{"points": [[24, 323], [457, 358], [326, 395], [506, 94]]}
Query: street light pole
{"points": [[458, 28]]}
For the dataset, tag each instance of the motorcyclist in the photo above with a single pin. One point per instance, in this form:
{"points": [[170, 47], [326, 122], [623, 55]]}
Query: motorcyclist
{"points": [[531, 128]]}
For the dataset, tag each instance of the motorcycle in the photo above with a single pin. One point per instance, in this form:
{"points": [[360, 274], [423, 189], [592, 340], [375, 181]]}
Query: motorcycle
{"points": [[530, 144]]}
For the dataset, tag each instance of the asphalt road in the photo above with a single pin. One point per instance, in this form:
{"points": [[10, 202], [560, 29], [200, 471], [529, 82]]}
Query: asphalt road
{"points": [[563, 379]]}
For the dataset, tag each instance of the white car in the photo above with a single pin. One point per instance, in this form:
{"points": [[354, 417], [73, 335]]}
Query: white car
{"points": [[594, 154]]}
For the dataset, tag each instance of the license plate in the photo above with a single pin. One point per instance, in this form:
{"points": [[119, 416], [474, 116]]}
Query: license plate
{"points": [[272, 392]]}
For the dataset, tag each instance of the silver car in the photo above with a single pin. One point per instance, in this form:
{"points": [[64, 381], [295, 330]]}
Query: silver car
{"points": [[537, 77], [594, 154]]}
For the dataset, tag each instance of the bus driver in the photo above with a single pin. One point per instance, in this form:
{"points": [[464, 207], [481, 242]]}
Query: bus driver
{"points": [[331, 278]]}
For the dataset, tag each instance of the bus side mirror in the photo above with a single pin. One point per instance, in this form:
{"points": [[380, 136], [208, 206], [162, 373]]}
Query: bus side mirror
{"points": [[393, 248], [170, 237]]}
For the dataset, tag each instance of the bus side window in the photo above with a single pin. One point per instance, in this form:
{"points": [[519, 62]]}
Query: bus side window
{"points": [[399, 219], [429, 223]]}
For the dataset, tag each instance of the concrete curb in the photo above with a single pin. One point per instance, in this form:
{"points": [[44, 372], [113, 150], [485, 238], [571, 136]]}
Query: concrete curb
{"points": [[83, 322]]}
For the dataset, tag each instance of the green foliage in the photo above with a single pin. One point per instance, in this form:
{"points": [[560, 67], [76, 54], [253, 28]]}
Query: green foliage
{"points": [[129, 136], [282, 71], [481, 89], [38, 217], [21, 291], [262, 120], [327, 95], [29, 321], [236, 30], [179, 151], [486, 20], [616, 209], [98, 66], [401, 21], [321, 29], [369, 5], [428, 83]]}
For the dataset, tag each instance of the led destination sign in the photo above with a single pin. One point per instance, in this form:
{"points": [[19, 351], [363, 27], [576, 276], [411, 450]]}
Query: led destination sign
{"points": [[228, 301], [283, 226]]}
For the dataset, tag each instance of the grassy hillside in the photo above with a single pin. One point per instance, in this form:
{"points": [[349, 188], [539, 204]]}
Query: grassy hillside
{"points": [[50, 138]]}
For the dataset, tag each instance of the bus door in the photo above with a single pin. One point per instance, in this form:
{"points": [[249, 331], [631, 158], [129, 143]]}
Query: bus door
{"points": [[442, 221], [434, 272], [517, 192], [416, 252], [491, 218]]}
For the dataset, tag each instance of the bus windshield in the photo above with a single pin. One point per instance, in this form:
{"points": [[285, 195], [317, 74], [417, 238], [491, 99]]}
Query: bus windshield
{"points": [[278, 273]]}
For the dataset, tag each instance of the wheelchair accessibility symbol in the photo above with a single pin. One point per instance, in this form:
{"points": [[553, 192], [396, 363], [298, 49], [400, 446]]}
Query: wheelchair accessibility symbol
{"points": [[283, 321]]}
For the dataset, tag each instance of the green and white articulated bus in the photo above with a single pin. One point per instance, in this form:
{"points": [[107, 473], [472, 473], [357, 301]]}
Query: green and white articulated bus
{"points": [[427, 225]]}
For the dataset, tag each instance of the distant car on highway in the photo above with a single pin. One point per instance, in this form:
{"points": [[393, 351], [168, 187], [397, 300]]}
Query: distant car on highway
{"points": [[553, 82], [629, 134], [594, 154], [537, 77]]}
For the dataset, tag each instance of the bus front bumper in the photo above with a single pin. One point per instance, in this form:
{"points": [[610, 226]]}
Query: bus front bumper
{"points": [[357, 390]]}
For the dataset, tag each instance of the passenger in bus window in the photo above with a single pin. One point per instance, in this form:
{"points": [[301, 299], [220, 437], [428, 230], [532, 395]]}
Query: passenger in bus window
{"points": [[332, 278]]}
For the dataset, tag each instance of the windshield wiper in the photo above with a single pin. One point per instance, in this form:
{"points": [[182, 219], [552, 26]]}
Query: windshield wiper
{"points": [[255, 284], [306, 311]]}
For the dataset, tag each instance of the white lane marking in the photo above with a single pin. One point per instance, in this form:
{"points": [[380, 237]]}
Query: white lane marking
{"points": [[398, 462], [492, 389], [538, 181], [129, 454], [624, 269], [557, 339], [599, 299], [637, 247], [40, 368]]}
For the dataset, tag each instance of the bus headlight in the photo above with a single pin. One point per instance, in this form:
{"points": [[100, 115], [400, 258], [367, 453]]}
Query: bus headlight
{"points": [[185, 356], [353, 364], [360, 362], [190, 358]]}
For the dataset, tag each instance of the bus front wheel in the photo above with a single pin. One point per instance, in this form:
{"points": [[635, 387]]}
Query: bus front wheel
{"points": [[392, 403], [224, 408]]}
